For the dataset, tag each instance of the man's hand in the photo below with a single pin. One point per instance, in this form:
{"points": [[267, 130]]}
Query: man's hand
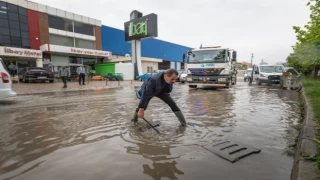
{"points": [[141, 113]]}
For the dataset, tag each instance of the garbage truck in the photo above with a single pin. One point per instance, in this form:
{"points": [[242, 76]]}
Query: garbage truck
{"points": [[211, 66]]}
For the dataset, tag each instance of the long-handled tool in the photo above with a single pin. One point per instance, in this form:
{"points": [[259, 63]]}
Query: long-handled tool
{"points": [[152, 126]]}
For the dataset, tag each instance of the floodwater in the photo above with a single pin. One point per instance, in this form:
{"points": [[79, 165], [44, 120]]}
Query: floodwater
{"points": [[87, 135]]}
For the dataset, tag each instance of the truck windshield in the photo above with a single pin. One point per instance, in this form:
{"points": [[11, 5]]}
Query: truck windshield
{"points": [[271, 69], [208, 56]]}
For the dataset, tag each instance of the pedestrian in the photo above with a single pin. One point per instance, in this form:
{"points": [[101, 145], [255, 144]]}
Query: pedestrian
{"points": [[64, 73], [82, 73], [159, 85], [12, 69]]}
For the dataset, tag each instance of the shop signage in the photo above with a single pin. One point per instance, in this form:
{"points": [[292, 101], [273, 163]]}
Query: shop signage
{"points": [[20, 52], [141, 28], [72, 50]]}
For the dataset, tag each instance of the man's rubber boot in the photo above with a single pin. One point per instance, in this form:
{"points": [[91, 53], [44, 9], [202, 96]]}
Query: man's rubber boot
{"points": [[181, 118], [134, 120]]}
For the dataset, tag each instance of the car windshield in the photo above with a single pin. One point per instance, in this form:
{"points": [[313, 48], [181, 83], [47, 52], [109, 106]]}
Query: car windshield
{"points": [[4, 66], [271, 69], [248, 71], [208, 56]]}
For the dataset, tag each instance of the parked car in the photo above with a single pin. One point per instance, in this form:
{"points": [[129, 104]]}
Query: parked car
{"points": [[247, 74], [35, 74], [146, 76], [183, 76], [5, 82]]}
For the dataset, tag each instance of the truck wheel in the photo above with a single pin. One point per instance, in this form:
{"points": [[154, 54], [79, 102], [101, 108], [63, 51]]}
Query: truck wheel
{"points": [[235, 81], [192, 86]]}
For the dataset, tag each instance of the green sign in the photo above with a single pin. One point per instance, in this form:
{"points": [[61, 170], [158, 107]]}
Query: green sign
{"points": [[139, 28]]}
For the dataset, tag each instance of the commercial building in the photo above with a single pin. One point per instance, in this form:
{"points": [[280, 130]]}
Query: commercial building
{"points": [[169, 53], [33, 34]]}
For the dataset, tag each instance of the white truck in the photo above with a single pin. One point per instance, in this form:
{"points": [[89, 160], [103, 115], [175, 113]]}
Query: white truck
{"points": [[211, 66]]}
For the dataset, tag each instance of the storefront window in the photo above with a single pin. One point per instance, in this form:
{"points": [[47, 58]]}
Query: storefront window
{"points": [[4, 31], [75, 60], [23, 19], [23, 11], [83, 28], [60, 23], [13, 26], [13, 16], [5, 40], [12, 8], [89, 62], [81, 43], [61, 40], [15, 33], [4, 23]]}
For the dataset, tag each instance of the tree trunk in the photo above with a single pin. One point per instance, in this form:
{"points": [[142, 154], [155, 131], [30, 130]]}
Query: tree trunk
{"points": [[315, 72]]}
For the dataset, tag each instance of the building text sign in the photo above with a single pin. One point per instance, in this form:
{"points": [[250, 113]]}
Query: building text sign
{"points": [[20, 52], [140, 28], [73, 50]]}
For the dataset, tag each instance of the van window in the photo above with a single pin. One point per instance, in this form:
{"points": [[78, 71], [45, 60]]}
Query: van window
{"points": [[271, 69]]}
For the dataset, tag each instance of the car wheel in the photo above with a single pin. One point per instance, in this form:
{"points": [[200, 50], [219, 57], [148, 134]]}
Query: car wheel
{"points": [[51, 81], [192, 86], [25, 80]]}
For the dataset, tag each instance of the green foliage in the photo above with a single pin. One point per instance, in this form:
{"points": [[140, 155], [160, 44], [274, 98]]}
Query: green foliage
{"points": [[306, 56]]}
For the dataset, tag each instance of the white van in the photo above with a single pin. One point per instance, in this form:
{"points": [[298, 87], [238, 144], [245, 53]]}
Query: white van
{"points": [[270, 74], [5, 82]]}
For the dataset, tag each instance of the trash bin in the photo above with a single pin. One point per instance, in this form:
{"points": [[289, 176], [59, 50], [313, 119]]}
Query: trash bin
{"points": [[289, 81]]}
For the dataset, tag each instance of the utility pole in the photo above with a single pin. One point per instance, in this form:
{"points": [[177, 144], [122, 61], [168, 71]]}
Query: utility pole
{"points": [[252, 59]]}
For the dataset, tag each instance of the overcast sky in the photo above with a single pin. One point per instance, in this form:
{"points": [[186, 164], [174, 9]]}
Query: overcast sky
{"points": [[262, 27]]}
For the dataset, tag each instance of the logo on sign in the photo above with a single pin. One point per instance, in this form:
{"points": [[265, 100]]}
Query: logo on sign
{"points": [[139, 28], [207, 65]]}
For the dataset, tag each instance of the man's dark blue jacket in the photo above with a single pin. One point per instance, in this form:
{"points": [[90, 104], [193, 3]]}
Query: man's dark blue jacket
{"points": [[154, 86]]}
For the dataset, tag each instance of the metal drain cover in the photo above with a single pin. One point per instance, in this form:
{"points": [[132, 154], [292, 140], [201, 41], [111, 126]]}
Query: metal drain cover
{"points": [[231, 151]]}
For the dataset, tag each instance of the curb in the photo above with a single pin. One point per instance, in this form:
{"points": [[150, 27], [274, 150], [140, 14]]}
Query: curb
{"points": [[303, 169], [75, 90]]}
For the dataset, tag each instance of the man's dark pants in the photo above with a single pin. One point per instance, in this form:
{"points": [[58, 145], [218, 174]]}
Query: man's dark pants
{"points": [[81, 76], [167, 99], [64, 80]]}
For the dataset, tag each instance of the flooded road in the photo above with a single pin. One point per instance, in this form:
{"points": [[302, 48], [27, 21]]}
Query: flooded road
{"points": [[87, 135]]}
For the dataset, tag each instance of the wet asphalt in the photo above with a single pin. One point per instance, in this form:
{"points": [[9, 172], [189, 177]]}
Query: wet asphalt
{"points": [[87, 134]]}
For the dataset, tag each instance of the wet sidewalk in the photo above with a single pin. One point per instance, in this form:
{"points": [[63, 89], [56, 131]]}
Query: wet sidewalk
{"points": [[46, 87]]}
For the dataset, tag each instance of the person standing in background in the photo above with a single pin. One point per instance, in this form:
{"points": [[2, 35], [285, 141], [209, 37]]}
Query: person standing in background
{"points": [[82, 74], [64, 73], [12, 69]]}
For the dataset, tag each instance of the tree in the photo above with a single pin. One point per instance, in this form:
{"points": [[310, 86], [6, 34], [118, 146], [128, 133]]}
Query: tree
{"points": [[306, 56]]}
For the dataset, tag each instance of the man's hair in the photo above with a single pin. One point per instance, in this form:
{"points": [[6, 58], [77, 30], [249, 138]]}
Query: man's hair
{"points": [[170, 72]]}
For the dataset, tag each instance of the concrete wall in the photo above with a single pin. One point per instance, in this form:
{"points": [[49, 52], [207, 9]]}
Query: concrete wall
{"points": [[145, 66]]}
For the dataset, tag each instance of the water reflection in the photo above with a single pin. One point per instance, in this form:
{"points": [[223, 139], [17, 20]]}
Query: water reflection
{"points": [[163, 162]]}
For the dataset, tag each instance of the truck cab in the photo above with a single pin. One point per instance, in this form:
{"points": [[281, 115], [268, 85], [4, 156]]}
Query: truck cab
{"points": [[210, 66], [270, 74]]}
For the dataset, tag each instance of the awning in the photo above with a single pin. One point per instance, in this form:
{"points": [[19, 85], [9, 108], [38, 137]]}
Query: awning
{"points": [[73, 50]]}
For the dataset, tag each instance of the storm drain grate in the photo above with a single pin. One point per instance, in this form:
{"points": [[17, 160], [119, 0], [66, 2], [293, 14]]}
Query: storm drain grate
{"points": [[231, 151]]}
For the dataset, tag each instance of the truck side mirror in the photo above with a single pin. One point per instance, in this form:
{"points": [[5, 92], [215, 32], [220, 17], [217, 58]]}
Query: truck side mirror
{"points": [[234, 55], [183, 57]]}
